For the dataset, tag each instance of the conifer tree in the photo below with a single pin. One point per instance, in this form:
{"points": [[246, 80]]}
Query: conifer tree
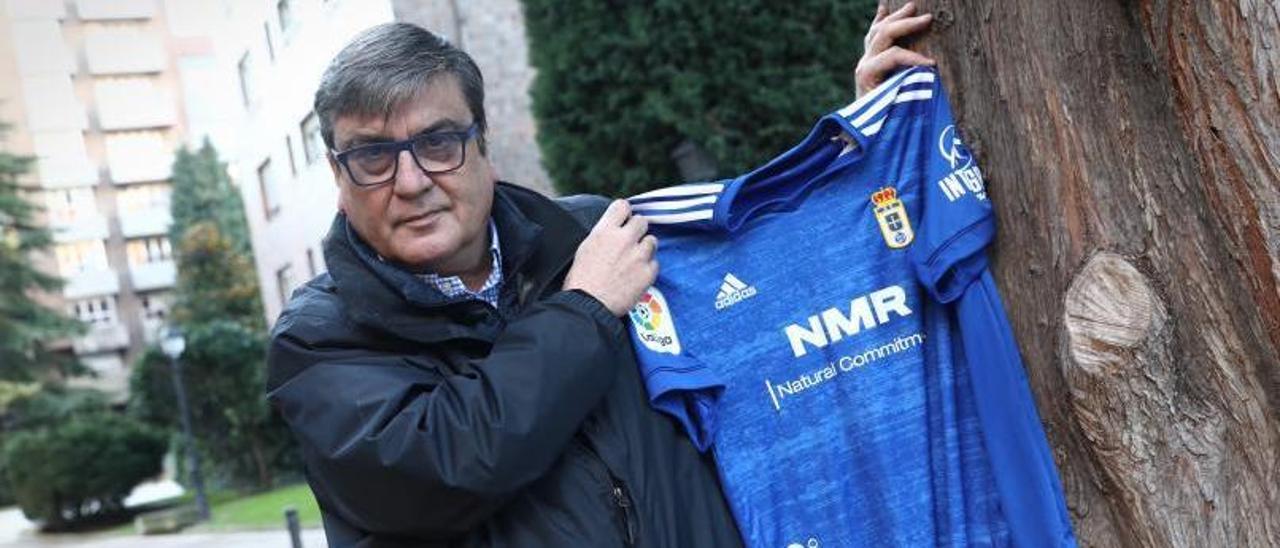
{"points": [[26, 323]]}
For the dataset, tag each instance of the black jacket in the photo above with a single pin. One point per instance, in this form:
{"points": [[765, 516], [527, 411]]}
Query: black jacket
{"points": [[427, 421]]}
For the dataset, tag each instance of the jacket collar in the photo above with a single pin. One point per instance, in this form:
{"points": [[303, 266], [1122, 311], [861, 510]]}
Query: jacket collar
{"points": [[538, 240]]}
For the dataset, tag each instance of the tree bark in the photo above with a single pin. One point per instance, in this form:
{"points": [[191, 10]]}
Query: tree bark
{"points": [[1132, 152]]}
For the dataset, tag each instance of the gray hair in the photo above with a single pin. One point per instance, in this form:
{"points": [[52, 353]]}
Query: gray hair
{"points": [[385, 66]]}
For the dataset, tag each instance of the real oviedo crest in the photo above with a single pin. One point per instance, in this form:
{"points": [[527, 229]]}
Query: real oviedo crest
{"points": [[892, 216]]}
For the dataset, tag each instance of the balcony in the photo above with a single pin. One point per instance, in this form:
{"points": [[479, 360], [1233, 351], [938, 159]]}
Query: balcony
{"points": [[115, 10], [62, 159], [139, 170], [62, 172], [150, 222], [43, 50], [102, 338], [157, 112], [133, 103], [123, 51], [150, 276], [138, 156], [84, 227], [91, 283], [52, 105], [36, 9]]}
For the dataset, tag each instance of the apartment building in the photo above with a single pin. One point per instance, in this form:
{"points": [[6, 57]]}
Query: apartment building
{"points": [[280, 48], [91, 89]]}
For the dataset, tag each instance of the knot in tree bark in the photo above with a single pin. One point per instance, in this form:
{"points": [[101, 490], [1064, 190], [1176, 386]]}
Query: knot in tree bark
{"points": [[1110, 310]]}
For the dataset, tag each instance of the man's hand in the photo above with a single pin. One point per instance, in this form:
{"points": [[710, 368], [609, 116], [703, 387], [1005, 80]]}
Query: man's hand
{"points": [[880, 57], [616, 262]]}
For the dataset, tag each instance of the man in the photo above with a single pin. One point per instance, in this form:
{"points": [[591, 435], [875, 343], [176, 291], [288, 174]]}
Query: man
{"points": [[460, 375]]}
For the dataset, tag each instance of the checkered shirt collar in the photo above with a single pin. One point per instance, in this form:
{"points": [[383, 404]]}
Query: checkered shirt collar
{"points": [[453, 287]]}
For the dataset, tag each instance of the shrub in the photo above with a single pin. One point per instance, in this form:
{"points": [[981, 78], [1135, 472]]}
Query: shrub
{"points": [[235, 428], [81, 468], [29, 406]]}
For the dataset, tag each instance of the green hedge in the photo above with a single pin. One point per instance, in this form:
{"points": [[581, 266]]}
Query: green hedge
{"points": [[83, 467], [621, 84], [32, 407]]}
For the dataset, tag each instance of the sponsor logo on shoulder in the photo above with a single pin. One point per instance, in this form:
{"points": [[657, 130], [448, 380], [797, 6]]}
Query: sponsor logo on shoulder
{"points": [[653, 323], [953, 149], [965, 178], [733, 291]]}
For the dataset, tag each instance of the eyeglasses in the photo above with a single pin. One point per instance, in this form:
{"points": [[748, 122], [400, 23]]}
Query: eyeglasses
{"points": [[435, 152]]}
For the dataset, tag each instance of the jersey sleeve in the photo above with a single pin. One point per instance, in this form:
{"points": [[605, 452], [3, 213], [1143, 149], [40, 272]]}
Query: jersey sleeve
{"points": [[677, 383], [956, 222], [1028, 484]]}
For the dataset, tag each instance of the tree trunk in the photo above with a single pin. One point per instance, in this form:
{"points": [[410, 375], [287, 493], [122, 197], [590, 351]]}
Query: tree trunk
{"points": [[1132, 150], [260, 462]]}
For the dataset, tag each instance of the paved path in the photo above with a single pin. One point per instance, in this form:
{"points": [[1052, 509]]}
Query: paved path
{"points": [[311, 538], [12, 525], [17, 532]]}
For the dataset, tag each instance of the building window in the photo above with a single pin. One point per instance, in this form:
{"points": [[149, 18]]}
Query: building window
{"points": [[148, 250], [155, 306], [271, 47], [286, 15], [288, 147], [143, 199], [95, 311], [269, 191], [284, 282], [78, 257], [68, 206], [312, 141], [245, 68]]}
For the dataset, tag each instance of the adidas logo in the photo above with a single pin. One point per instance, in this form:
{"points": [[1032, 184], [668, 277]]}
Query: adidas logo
{"points": [[733, 291]]}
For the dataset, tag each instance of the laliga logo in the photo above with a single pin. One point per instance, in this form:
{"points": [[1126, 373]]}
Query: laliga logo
{"points": [[651, 319], [953, 149]]}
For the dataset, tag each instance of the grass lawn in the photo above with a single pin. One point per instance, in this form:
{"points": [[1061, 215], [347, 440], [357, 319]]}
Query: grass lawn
{"points": [[263, 510], [234, 511]]}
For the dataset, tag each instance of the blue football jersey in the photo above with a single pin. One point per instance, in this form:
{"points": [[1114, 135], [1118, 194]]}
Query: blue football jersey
{"points": [[826, 326]]}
